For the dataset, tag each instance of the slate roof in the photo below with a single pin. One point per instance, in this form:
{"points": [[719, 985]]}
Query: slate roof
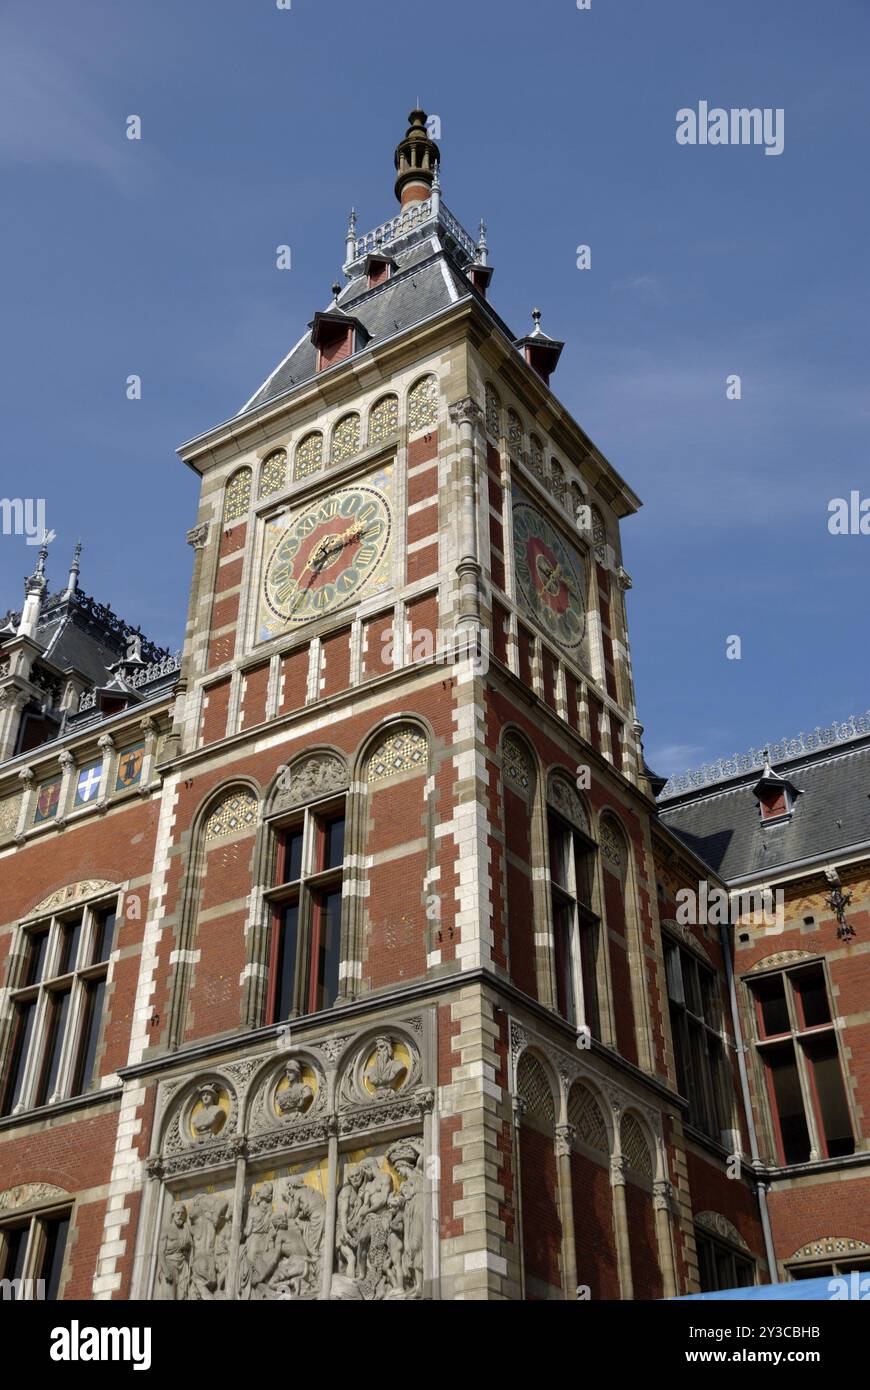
{"points": [[427, 279], [722, 824], [78, 633]]}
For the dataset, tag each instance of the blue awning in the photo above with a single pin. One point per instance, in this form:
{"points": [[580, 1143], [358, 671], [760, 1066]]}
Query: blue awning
{"points": [[830, 1288]]}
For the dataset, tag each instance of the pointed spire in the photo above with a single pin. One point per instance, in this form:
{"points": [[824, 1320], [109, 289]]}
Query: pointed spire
{"points": [[350, 239], [74, 571], [436, 192], [482, 248], [35, 586]]}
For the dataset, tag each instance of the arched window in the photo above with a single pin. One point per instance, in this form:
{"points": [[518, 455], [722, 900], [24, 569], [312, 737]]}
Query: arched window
{"points": [[217, 875], [423, 404], [536, 456], [346, 438], [309, 456], [518, 796], [273, 473], [515, 432], [237, 495], [575, 923], [305, 901], [598, 1264], [383, 420], [613, 847], [541, 1221], [493, 411], [645, 1250]]}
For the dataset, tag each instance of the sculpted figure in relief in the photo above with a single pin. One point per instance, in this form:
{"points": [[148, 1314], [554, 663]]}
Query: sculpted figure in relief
{"points": [[173, 1256], [206, 1122], [280, 1256], [193, 1251], [385, 1073], [379, 1231], [297, 1095]]}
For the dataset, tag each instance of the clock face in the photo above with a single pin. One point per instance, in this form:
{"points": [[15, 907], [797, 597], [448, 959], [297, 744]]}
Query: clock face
{"points": [[550, 576], [327, 556]]}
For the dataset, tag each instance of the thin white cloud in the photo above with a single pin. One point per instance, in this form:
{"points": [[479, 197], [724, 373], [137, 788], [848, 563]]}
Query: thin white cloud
{"points": [[649, 287], [49, 110]]}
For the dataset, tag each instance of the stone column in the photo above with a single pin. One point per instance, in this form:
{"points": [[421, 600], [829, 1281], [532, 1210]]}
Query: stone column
{"points": [[12, 702], [564, 1136], [662, 1201], [519, 1107], [232, 1281], [620, 1225], [466, 413], [328, 1247]]}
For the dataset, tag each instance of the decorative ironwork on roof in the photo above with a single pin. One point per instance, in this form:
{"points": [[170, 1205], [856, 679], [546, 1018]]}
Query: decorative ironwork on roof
{"points": [[788, 748], [413, 217]]}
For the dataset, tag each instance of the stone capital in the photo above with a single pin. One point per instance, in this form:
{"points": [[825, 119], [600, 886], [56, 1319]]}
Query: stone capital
{"points": [[663, 1195], [618, 1167], [465, 412], [564, 1138], [197, 536]]}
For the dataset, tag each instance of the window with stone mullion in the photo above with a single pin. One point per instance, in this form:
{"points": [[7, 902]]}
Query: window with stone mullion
{"points": [[57, 995], [32, 1251], [306, 913], [574, 922], [695, 1027]]}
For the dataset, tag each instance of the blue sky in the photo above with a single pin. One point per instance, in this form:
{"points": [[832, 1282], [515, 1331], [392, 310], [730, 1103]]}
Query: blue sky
{"points": [[262, 126]]}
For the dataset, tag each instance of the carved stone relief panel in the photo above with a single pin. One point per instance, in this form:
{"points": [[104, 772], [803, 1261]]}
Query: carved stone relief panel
{"points": [[380, 1223], [193, 1249], [281, 1250]]}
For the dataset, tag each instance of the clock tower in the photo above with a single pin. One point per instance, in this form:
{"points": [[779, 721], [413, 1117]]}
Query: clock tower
{"points": [[402, 992]]}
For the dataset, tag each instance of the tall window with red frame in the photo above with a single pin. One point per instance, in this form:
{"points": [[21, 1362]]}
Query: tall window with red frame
{"points": [[575, 925], [306, 913], [800, 1056]]}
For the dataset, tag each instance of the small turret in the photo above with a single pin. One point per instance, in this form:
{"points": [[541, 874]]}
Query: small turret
{"points": [[416, 160]]}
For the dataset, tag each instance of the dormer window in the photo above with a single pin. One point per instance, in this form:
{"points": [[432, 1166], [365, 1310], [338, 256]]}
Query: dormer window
{"points": [[377, 269], [776, 795], [336, 335]]}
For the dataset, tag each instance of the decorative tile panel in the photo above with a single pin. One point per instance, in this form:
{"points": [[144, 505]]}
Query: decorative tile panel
{"points": [[346, 438], [237, 499], [515, 764], [309, 456], [423, 404], [612, 846], [273, 474], [234, 813], [405, 751], [384, 420]]}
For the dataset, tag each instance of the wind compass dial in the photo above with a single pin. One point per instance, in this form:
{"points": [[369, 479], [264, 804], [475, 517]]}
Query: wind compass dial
{"points": [[550, 576]]}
